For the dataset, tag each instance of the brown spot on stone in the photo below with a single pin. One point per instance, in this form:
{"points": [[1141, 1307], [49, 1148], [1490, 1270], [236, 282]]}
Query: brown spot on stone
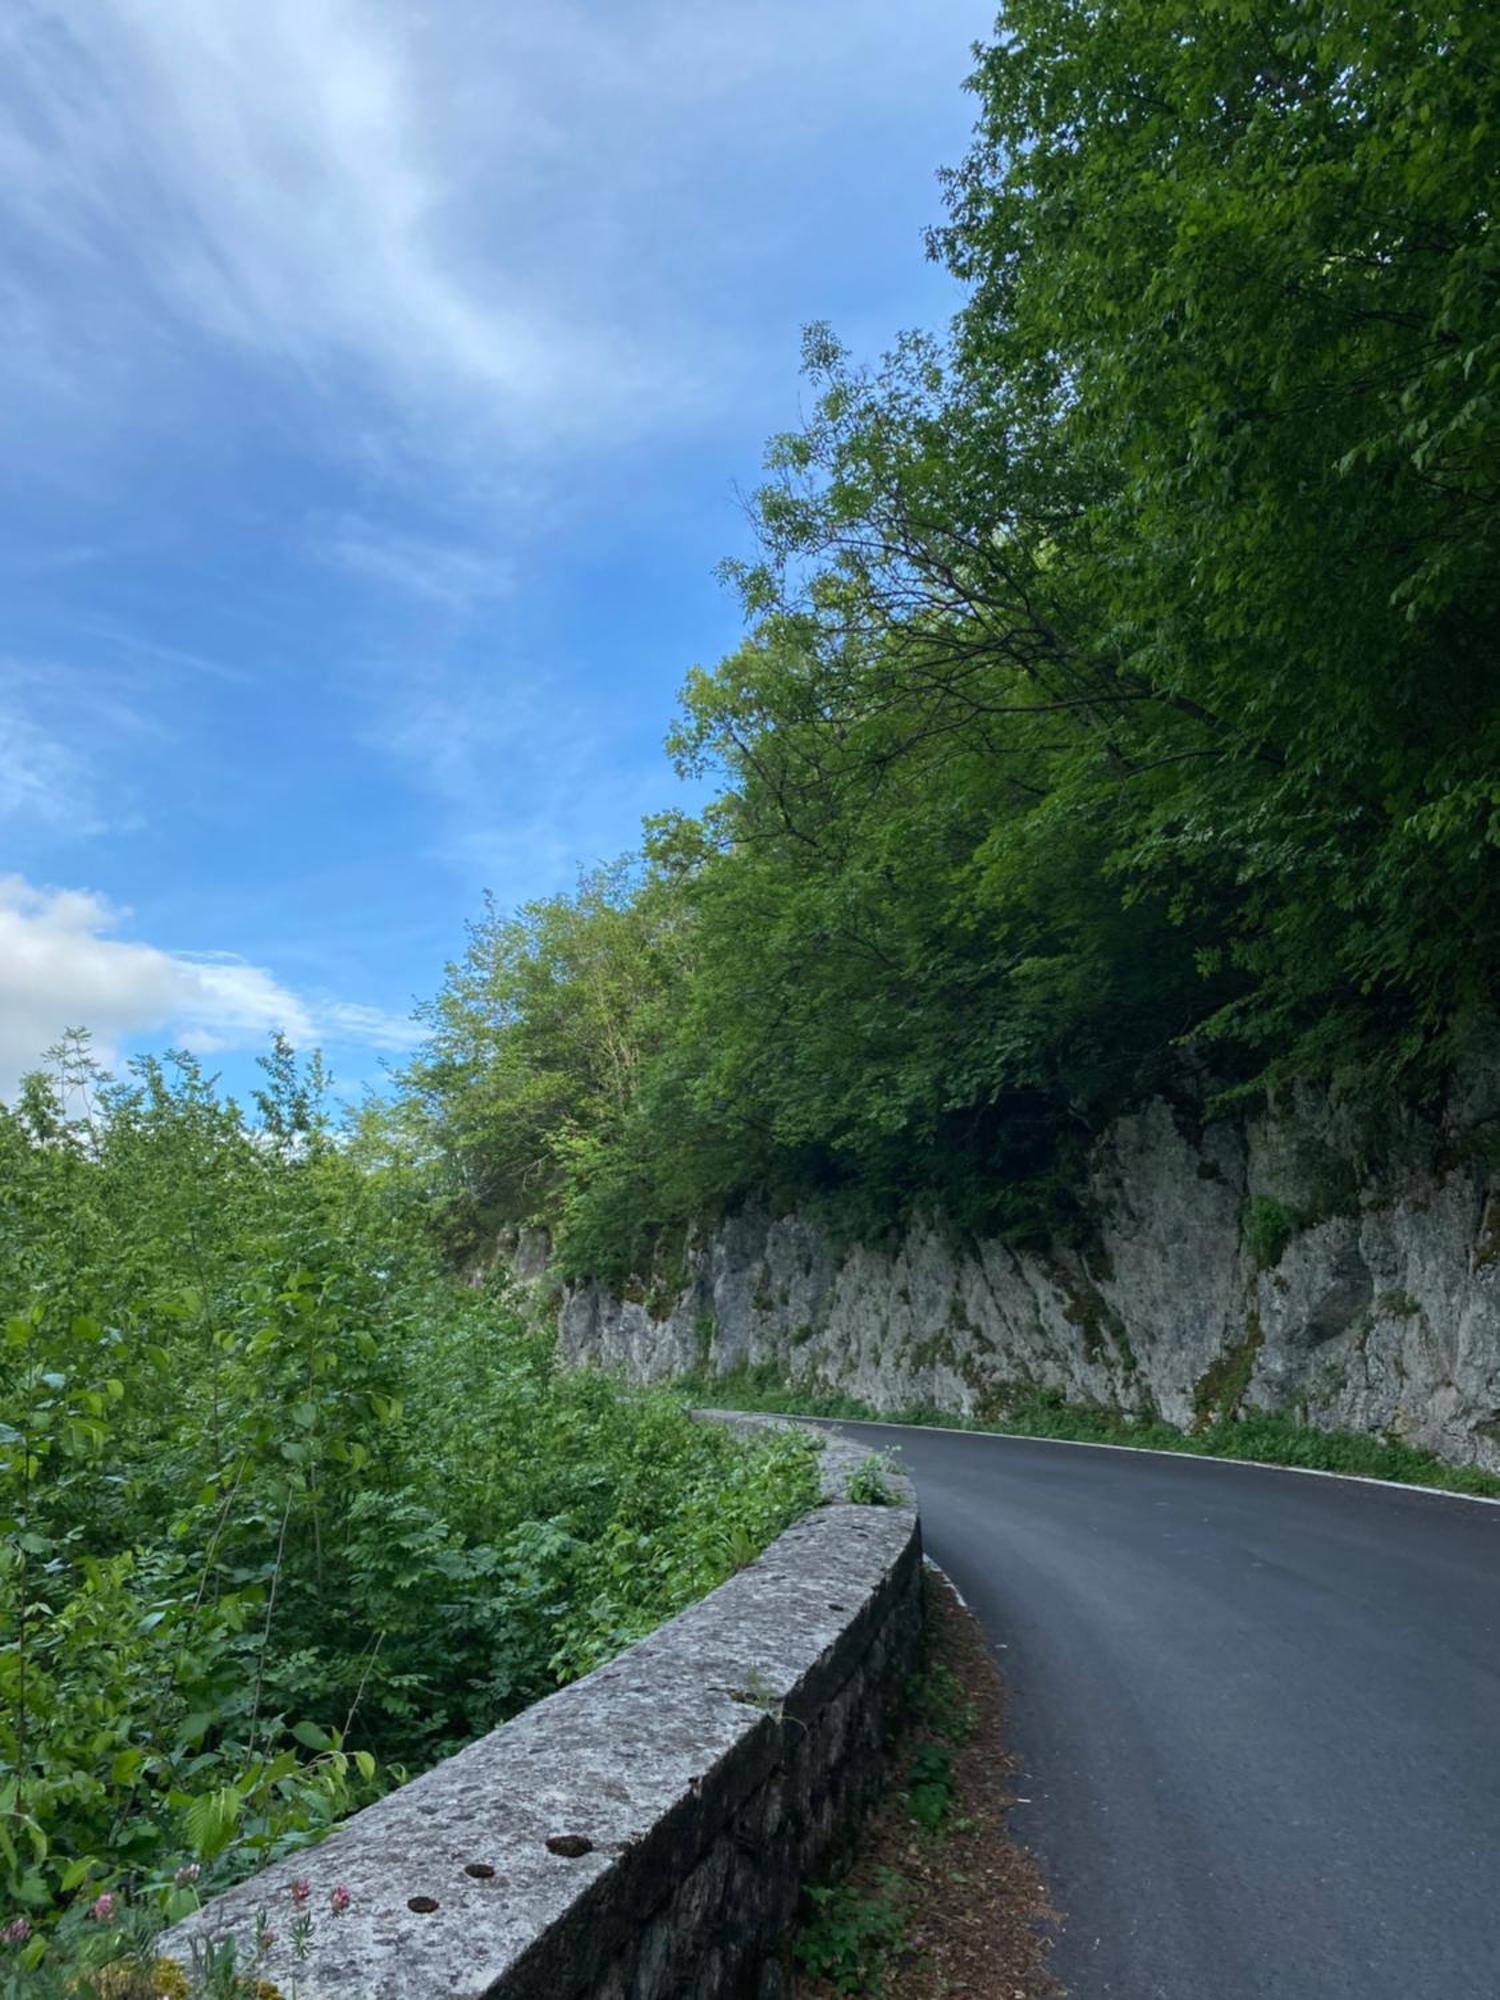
{"points": [[571, 1845], [423, 1905]]}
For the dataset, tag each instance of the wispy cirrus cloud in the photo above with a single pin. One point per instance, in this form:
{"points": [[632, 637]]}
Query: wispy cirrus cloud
{"points": [[279, 182], [44, 780], [436, 227], [62, 730], [524, 778], [458, 576], [63, 964]]}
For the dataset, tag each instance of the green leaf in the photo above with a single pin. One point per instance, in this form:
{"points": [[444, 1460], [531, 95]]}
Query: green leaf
{"points": [[126, 1766]]}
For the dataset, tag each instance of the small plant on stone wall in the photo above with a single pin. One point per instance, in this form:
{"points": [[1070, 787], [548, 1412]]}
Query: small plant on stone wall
{"points": [[869, 1485]]}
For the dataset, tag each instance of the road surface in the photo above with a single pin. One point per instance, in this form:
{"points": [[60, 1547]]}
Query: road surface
{"points": [[1259, 1715]]}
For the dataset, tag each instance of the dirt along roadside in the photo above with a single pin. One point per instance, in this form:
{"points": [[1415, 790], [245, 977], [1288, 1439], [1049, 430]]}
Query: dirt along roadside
{"points": [[938, 1902]]}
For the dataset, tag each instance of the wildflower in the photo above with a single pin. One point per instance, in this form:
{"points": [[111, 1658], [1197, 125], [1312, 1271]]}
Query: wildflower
{"points": [[340, 1900], [301, 1890], [265, 1939], [186, 1874], [103, 1909], [16, 1931]]}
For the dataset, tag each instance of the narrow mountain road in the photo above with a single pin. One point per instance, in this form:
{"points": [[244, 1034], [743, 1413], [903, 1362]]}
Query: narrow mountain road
{"points": [[1259, 1715]]}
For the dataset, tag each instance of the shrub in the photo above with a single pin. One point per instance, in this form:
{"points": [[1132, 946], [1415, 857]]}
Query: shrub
{"points": [[285, 1511]]}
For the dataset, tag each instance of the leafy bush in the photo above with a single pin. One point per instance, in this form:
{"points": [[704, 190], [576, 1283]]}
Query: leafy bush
{"points": [[285, 1510]]}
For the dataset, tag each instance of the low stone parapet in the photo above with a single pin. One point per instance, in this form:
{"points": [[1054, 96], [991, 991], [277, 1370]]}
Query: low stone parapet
{"points": [[645, 1831]]}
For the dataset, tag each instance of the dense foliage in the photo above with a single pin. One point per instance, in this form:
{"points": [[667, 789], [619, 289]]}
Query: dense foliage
{"points": [[283, 1508], [1120, 696]]}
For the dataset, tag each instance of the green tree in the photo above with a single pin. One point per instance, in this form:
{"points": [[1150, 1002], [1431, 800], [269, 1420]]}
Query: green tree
{"points": [[1119, 705]]}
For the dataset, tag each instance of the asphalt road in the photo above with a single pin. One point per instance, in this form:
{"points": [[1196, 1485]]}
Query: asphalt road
{"points": [[1259, 1715]]}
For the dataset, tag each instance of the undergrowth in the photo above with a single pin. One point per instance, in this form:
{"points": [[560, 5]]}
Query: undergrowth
{"points": [[1265, 1437], [286, 1513], [854, 1929]]}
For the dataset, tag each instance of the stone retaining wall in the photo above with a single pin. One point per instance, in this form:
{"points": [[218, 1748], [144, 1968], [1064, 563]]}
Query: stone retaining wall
{"points": [[643, 1832]]}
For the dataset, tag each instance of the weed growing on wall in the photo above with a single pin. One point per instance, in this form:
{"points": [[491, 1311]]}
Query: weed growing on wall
{"points": [[869, 1485]]}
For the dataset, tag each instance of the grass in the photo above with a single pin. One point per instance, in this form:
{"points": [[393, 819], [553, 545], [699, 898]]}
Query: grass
{"points": [[1266, 1438]]}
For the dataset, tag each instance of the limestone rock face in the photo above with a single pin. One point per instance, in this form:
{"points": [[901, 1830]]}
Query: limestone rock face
{"points": [[1256, 1265]]}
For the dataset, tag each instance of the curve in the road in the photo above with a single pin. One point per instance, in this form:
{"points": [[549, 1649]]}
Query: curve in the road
{"points": [[1259, 1714]]}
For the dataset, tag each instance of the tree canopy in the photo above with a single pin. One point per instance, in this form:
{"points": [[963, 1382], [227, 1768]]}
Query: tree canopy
{"points": [[1119, 694]]}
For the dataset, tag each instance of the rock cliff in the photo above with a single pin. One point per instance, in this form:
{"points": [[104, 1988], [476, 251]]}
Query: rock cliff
{"points": [[1265, 1264]]}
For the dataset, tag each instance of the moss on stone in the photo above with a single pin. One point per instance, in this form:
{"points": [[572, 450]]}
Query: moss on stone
{"points": [[1330, 1181], [936, 1351], [1221, 1388], [1085, 1310]]}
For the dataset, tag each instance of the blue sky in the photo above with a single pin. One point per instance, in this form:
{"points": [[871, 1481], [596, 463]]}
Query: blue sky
{"points": [[375, 380]]}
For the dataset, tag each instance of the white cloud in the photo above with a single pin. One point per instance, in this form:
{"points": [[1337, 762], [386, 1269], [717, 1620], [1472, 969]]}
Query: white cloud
{"points": [[42, 779], [61, 966], [455, 575], [446, 223]]}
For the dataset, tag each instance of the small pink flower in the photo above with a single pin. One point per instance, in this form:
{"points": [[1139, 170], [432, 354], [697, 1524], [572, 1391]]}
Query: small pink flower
{"points": [[301, 1890], [265, 1940], [103, 1909], [16, 1931], [340, 1900]]}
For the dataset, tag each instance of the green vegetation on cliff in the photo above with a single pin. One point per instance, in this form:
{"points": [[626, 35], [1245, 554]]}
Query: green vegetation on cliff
{"points": [[1120, 687]]}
